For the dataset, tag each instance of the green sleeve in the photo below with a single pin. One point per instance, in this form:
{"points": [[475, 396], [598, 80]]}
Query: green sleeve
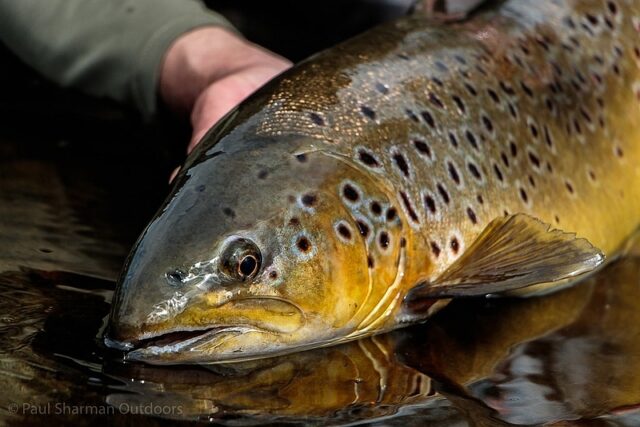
{"points": [[111, 48]]}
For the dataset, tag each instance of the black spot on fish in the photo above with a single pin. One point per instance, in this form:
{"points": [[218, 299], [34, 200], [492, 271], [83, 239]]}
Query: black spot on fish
{"points": [[435, 249], [471, 89], [453, 140], [422, 147], [383, 239], [488, 124], [568, 21], [576, 126], [543, 43], [498, 172], [435, 100], [455, 246], [309, 200], [263, 174], [391, 214], [403, 242], [303, 244], [200, 188], [505, 159], [472, 216], [370, 262], [535, 161], [480, 199], [493, 95], [532, 181], [513, 111], [344, 231], [301, 157], [294, 222], [513, 148], [383, 89], [368, 112], [229, 212], [453, 173], [273, 275], [474, 171], [375, 207], [443, 193], [613, 8], [608, 22], [557, 218], [569, 187], [401, 163], [460, 59], [593, 20], [472, 139], [368, 158], [409, 207], [547, 136], [430, 203], [363, 228], [459, 103], [523, 195], [534, 130], [437, 81], [350, 193], [526, 89], [317, 119], [507, 88], [619, 152], [412, 116], [616, 69], [441, 66], [428, 118]]}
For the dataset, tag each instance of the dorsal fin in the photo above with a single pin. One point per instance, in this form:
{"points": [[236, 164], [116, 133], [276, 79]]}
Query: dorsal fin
{"points": [[513, 252]]}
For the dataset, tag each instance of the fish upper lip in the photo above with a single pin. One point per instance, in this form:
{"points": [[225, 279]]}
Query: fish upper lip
{"points": [[180, 338]]}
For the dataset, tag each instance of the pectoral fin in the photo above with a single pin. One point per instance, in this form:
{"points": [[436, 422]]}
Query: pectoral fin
{"points": [[513, 252]]}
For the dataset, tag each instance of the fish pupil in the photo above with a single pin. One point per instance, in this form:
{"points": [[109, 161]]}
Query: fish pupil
{"points": [[248, 266]]}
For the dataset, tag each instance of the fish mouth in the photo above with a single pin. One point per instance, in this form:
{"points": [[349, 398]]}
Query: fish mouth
{"points": [[259, 321]]}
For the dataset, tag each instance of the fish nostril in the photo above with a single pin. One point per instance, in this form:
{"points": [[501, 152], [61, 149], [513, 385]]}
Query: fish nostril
{"points": [[175, 277]]}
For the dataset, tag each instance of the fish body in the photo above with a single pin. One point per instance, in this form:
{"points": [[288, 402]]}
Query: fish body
{"points": [[417, 162]]}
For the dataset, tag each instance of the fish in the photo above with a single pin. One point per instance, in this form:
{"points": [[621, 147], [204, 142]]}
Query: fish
{"points": [[368, 186]]}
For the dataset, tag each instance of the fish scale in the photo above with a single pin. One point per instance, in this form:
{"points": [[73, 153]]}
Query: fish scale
{"points": [[364, 188]]}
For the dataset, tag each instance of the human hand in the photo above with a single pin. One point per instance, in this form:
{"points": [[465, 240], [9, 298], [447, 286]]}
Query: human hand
{"points": [[208, 71]]}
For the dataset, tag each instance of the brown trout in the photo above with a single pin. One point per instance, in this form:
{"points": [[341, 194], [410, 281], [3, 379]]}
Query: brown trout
{"points": [[366, 187]]}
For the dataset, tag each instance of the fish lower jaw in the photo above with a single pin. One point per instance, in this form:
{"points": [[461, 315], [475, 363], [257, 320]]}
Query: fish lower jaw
{"points": [[174, 345]]}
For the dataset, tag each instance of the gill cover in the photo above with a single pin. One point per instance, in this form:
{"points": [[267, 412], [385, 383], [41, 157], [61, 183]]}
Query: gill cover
{"points": [[252, 254]]}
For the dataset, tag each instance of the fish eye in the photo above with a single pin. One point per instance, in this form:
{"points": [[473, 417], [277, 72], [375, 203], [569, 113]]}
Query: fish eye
{"points": [[241, 259]]}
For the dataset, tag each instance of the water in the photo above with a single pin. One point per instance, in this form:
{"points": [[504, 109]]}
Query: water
{"points": [[69, 211], [75, 190]]}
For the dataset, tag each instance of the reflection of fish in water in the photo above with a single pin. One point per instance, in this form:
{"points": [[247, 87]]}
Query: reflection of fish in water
{"points": [[420, 159]]}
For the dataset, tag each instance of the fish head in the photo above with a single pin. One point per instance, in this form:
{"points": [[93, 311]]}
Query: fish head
{"points": [[252, 255]]}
